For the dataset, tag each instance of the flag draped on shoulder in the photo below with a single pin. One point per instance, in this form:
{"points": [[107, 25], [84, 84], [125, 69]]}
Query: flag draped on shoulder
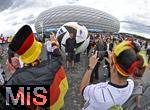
{"points": [[58, 90], [35, 73]]}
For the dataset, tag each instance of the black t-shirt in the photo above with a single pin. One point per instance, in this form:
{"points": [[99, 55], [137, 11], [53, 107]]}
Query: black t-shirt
{"points": [[70, 44]]}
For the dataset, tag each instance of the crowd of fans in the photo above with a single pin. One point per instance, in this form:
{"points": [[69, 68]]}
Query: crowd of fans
{"points": [[124, 58]]}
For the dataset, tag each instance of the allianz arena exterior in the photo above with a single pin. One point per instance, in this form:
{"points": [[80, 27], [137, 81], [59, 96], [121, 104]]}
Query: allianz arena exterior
{"points": [[95, 20]]}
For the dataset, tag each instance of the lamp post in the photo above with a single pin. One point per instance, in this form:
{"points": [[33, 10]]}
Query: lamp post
{"points": [[41, 24]]}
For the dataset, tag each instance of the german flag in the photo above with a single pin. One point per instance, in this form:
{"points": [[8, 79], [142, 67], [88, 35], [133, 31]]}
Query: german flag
{"points": [[58, 90]]}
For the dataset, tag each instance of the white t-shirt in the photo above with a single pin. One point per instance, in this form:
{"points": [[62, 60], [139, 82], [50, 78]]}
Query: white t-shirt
{"points": [[148, 46], [98, 97], [48, 46]]}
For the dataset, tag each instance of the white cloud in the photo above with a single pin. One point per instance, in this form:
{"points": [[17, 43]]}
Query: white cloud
{"points": [[16, 16], [128, 10], [124, 10]]}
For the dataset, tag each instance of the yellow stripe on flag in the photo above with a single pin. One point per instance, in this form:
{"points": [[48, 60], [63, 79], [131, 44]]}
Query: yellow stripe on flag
{"points": [[63, 90]]}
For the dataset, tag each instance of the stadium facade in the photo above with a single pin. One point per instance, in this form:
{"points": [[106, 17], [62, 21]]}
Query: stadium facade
{"points": [[95, 20]]}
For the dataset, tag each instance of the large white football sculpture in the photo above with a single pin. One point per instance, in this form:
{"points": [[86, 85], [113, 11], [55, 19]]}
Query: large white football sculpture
{"points": [[81, 32]]}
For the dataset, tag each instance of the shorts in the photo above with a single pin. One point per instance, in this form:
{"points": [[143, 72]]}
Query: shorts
{"points": [[138, 88], [71, 56]]}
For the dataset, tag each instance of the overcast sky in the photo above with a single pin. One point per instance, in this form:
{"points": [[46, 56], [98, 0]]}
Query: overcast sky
{"points": [[134, 15]]}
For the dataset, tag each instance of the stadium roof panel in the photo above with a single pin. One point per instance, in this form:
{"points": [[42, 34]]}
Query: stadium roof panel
{"points": [[91, 18]]}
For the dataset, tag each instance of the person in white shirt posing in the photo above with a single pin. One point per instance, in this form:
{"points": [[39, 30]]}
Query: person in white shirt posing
{"points": [[48, 45], [123, 63]]}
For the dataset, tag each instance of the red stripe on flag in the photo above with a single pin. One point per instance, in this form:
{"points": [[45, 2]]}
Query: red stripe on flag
{"points": [[54, 89], [26, 45]]}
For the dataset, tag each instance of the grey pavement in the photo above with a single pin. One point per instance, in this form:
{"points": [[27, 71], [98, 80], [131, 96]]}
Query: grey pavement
{"points": [[146, 76]]}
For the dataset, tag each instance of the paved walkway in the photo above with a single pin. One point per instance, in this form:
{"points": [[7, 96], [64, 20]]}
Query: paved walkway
{"points": [[146, 76]]}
